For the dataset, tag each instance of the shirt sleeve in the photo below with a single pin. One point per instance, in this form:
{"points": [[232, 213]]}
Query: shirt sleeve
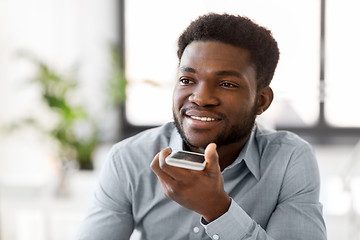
{"points": [[298, 214], [109, 216], [234, 224]]}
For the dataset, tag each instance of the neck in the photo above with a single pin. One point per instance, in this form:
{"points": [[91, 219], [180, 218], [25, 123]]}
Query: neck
{"points": [[227, 153]]}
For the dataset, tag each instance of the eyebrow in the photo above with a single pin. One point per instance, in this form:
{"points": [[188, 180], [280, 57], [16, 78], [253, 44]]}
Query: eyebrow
{"points": [[229, 73], [187, 69], [219, 73]]}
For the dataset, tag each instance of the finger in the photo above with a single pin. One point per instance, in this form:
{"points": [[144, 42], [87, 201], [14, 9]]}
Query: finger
{"points": [[156, 166], [212, 157], [175, 173], [166, 180], [155, 162], [163, 154]]}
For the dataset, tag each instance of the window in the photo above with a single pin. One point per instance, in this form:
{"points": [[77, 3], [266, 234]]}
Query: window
{"points": [[313, 94], [151, 54], [342, 81]]}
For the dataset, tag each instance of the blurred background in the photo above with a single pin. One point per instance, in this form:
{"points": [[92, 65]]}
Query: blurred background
{"points": [[77, 76]]}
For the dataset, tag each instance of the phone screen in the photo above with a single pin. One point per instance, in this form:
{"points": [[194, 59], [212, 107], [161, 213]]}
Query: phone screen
{"points": [[189, 157]]}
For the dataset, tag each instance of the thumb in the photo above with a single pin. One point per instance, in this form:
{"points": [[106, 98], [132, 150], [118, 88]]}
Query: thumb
{"points": [[212, 157]]}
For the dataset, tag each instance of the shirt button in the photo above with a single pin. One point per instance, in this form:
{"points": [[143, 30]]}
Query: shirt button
{"points": [[216, 237], [196, 229]]}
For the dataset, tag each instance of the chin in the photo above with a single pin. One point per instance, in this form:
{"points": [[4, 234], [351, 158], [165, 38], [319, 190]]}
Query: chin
{"points": [[199, 142], [193, 139]]}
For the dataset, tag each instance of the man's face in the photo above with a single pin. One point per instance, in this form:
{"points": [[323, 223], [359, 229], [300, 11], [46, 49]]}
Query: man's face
{"points": [[215, 97]]}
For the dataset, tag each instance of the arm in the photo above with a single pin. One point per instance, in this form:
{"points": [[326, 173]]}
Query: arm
{"points": [[299, 211], [297, 215], [110, 214], [200, 191]]}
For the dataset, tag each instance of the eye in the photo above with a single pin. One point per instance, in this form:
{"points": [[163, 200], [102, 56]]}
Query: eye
{"points": [[185, 81], [228, 85]]}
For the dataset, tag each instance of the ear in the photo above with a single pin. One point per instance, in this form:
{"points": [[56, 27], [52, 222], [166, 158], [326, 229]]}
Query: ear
{"points": [[265, 97]]}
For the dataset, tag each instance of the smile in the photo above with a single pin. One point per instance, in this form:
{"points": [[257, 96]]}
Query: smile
{"points": [[204, 119]]}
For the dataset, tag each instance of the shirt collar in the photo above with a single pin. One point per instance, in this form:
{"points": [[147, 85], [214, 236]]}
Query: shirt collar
{"points": [[249, 153], [176, 142]]}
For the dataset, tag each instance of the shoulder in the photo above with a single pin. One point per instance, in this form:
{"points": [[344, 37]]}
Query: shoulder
{"points": [[289, 157], [284, 150], [127, 165], [151, 138], [128, 161], [267, 137], [146, 143]]}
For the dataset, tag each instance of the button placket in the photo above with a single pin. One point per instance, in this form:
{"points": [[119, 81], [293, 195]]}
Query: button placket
{"points": [[196, 229]]}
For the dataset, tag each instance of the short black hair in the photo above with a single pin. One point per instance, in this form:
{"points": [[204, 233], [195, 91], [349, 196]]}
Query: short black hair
{"points": [[238, 31]]}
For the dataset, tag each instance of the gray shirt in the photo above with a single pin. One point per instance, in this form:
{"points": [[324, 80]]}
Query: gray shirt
{"points": [[274, 186]]}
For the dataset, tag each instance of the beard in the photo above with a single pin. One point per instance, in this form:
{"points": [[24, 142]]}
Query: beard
{"points": [[232, 134]]}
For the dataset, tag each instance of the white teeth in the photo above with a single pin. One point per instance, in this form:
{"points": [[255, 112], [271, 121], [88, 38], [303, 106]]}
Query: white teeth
{"points": [[205, 119]]}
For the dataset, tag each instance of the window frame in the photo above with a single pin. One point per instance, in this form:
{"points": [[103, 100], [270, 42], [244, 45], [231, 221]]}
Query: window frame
{"points": [[320, 133]]}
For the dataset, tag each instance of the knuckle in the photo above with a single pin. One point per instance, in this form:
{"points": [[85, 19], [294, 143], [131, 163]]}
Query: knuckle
{"points": [[170, 193], [173, 191], [153, 165], [163, 165]]}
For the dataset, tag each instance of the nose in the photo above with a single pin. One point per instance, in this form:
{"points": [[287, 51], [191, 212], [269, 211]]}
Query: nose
{"points": [[204, 95]]}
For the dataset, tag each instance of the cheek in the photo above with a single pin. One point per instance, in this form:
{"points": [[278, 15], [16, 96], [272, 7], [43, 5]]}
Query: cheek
{"points": [[238, 107], [175, 100], [179, 98]]}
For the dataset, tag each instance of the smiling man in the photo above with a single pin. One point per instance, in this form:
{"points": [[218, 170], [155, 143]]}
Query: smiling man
{"points": [[257, 183], [216, 99]]}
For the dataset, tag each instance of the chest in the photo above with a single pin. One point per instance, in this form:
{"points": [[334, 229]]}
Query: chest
{"points": [[173, 221]]}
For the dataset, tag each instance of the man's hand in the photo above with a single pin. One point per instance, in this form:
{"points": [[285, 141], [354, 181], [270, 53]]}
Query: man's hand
{"points": [[200, 191]]}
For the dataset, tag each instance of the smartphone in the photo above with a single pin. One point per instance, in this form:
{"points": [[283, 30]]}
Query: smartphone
{"points": [[185, 159]]}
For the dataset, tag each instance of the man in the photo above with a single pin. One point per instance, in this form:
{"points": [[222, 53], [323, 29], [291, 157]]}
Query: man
{"points": [[257, 183]]}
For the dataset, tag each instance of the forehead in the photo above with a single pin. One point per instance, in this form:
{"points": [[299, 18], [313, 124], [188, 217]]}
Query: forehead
{"points": [[216, 53], [211, 56]]}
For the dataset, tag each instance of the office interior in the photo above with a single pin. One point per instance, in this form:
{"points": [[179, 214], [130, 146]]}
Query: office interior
{"points": [[96, 46]]}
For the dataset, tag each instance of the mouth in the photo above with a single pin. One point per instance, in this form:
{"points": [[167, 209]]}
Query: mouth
{"points": [[200, 119], [202, 116], [203, 119]]}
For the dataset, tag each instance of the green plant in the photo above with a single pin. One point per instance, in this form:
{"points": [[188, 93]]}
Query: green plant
{"points": [[116, 91], [117, 82], [75, 131]]}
